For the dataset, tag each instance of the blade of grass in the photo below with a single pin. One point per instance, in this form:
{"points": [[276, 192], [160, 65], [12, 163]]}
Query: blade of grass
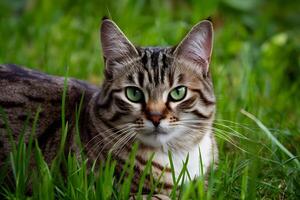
{"points": [[271, 136], [77, 118], [244, 183], [143, 177]]}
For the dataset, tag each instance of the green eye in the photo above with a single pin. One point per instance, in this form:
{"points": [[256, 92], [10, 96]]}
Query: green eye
{"points": [[178, 93], [134, 94]]}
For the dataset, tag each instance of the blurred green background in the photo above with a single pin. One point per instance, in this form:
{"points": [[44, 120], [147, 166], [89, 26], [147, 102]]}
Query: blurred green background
{"points": [[255, 67]]}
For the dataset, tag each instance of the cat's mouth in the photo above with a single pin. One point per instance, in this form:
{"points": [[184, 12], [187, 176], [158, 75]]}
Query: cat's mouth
{"points": [[156, 131], [157, 136]]}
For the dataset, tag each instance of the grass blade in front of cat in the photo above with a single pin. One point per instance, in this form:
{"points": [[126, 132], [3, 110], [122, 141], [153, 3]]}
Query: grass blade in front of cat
{"points": [[42, 177], [146, 172]]}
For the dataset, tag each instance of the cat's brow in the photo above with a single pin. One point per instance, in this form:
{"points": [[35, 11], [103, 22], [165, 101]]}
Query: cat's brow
{"points": [[155, 63]]}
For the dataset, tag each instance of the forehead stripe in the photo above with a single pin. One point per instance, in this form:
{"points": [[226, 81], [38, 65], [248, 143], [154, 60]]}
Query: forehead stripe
{"points": [[164, 61], [144, 59], [148, 65], [130, 78], [155, 67], [160, 64], [156, 75], [162, 75], [154, 59], [141, 78], [180, 78]]}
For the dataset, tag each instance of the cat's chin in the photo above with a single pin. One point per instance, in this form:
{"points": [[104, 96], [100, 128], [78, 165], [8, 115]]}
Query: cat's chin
{"points": [[159, 138], [155, 140]]}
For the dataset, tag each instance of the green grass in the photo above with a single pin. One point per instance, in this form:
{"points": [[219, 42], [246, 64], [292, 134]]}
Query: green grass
{"points": [[255, 68]]}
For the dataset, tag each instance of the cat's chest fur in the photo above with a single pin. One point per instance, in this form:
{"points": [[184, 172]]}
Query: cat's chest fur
{"points": [[196, 164]]}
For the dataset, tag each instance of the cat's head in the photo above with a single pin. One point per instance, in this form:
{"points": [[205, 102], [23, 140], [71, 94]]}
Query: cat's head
{"points": [[161, 96]]}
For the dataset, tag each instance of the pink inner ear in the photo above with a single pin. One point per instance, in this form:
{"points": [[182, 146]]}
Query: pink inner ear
{"points": [[196, 47], [115, 45]]}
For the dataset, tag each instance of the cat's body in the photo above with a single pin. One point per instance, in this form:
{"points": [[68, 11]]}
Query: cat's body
{"points": [[161, 97], [23, 91]]}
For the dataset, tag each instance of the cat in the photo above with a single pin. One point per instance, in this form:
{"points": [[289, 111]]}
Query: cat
{"points": [[161, 97]]}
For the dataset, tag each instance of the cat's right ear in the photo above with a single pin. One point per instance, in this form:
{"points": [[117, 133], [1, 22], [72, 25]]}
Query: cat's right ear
{"points": [[196, 47], [116, 48]]}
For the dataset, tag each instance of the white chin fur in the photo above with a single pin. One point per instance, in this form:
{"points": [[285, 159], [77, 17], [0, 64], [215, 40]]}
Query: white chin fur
{"points": [[158, 140]]}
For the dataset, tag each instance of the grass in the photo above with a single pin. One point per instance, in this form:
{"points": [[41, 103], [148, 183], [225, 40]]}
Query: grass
{"points": [[255, 68]]}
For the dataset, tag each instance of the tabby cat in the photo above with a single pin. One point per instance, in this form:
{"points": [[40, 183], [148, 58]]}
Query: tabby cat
{"points": [[160, 97]]}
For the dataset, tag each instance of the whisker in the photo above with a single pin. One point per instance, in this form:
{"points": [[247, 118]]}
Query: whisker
{"points": [[96, 146], [97, 135], [109, 142], [113, 137], [120, 140], [234, 132], [230, 128], [221, 135], [102, 133], [123, 134], [112, 134], [246, 126], [125, 141]]}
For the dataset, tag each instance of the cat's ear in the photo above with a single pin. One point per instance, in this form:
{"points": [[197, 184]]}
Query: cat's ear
{"points": [[115, 45], [196, 47]]}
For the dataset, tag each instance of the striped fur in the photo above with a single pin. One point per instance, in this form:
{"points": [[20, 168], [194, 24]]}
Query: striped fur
{"points": [[110, 121]]}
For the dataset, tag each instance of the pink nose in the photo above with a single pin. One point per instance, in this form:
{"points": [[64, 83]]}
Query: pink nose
{"points": [[155, 111], [155, 117]]}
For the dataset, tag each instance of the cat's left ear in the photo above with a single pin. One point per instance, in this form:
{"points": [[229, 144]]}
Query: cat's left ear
{"points": [[117, 49], [196, 47]]}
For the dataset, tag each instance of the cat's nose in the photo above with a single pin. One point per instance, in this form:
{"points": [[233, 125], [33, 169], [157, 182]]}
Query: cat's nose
{"points": [[155, 118]]}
